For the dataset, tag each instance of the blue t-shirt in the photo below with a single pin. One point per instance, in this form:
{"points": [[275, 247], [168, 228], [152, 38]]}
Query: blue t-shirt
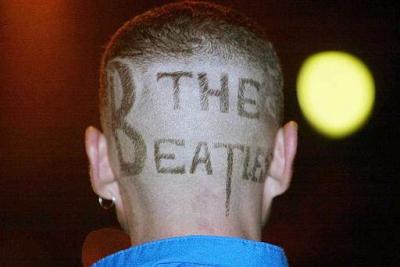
{"points": [[187, 251]]}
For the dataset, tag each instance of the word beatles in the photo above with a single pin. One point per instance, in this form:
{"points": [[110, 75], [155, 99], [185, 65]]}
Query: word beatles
{"points": [[254, 167]]}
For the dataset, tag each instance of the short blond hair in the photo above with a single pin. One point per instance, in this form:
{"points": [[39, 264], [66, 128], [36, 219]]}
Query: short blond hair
{"points": [[191, 27]]}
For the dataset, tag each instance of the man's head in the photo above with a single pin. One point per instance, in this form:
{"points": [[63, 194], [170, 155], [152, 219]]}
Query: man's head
{"points": [[191, 103]]}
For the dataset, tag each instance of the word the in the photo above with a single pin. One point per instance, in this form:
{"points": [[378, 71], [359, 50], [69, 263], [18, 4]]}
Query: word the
{"points": [[246, 107]]}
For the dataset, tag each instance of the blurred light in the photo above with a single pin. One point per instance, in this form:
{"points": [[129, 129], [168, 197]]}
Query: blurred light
{"points": [[336, 93]]}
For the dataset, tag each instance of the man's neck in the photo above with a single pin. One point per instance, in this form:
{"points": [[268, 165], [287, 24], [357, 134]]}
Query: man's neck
{"points": [[146, 233]]}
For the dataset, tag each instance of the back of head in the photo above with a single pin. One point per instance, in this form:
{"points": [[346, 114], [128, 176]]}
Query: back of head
{"points": [[190, 103]]}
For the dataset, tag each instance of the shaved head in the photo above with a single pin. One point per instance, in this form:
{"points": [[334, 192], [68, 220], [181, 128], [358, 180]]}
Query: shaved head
{"points": [[190, 103]]}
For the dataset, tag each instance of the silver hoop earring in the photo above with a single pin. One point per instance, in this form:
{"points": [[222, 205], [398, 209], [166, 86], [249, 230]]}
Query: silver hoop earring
{"points": [[106, 203]]}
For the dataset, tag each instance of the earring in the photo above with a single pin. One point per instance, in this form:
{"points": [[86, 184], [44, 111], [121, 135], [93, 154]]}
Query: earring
{"points": [[106, 203]]}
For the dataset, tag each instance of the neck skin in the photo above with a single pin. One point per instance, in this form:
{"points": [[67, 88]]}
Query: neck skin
{"points": [[161, 231], [149, 223]]}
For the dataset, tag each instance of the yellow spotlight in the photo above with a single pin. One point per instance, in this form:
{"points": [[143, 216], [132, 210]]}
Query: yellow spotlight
{"points": [[336, 93]]}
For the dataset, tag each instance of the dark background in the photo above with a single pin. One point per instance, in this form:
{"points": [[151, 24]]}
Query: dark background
{"points": [[342, 207]]}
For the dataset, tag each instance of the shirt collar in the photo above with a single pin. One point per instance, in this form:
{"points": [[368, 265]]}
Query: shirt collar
{"points": [[205, 250]]}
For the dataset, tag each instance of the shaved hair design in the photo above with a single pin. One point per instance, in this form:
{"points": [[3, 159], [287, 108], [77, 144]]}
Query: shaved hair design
{"points": [[190, 101]]}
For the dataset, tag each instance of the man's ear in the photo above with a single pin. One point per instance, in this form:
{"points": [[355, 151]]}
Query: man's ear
{"points": [[280, 171], [102, 178]]}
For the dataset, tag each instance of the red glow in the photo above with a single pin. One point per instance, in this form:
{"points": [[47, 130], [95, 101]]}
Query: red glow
{"points": [[103, 242]]}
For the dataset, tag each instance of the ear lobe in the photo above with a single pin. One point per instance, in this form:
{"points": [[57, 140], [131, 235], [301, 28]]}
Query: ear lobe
{"points": [[280, 171], [102, 177]]}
